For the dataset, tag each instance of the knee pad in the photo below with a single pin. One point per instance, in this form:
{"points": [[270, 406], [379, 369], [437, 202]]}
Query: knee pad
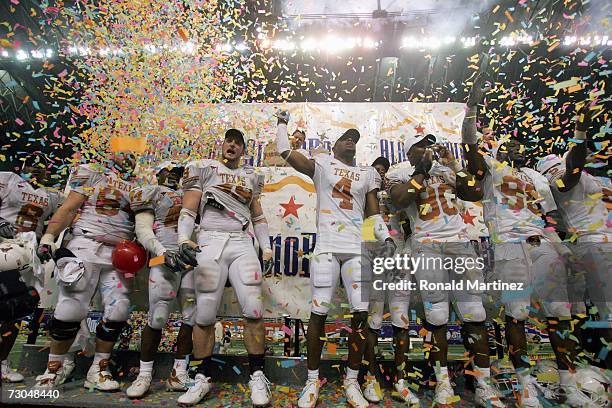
{"points": [[518, 310], [475, 313], [437, 314], [399, 320], [375, 322], [109, 331], [118, 311], [206, 311], [158, 314], [61, 330], [70, 309]]}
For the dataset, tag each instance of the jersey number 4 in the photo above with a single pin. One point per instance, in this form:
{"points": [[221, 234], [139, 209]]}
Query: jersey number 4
{"points": [[342, 190]]}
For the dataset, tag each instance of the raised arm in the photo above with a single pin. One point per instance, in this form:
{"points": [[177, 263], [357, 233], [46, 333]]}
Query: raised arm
{"points": [[262, 233], [402, 194], [466, 185], [295, 159], [61, 220], [576, 158], [475, 161]]}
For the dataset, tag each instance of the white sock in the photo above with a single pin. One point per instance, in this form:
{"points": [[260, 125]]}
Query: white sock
{"points": [[313, 374], [351, 374], [5, 363], [442, 374], [146, 367], [100, 356], [69, 356], [57, 357], [566, 378], [180, 365], [485, 375]]}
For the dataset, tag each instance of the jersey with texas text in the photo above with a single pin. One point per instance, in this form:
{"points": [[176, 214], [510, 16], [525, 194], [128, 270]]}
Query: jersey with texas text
{"points": [[25, 206], [511, 203], [234, 189], [434, 214], [166, 206], [106, 215], [582, 208], [341, 200]]}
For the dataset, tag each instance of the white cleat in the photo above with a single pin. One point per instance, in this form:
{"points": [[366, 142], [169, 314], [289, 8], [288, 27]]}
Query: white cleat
{"points": [[371, 390], [576, 399], [486, 396], [529, 396], [68, 367], [352, 390], [310, 394], [140, 386], [10, 375], [53, 376], [196, 391], [405, 393], [178, 381], [444, 395], [260, 389], [99, 378]]}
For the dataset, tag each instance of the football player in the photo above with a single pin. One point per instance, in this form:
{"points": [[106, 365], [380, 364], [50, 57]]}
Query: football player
{"points": [[525, 252], [157, 209], [226, 196], [25, 205], [398, 301], [430, 193], [579, 197], [98, 208], [346, 194]]}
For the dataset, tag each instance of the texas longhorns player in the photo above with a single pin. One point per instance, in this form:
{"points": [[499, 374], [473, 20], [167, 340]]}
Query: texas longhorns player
{"points": [[98, 208], [157, 209], [524, 252], [580, 199], [25, 204], [346, 194], [429, 194], [398, 301], [226, 197]]}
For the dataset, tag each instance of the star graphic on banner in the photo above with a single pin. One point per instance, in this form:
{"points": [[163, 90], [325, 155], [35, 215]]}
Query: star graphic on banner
{"points": [[468, 218], [291, 207], [419, 129]]}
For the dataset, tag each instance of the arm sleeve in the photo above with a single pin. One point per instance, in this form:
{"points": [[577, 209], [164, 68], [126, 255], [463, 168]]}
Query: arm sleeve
{"points": [[282, 139], [145, 234]]}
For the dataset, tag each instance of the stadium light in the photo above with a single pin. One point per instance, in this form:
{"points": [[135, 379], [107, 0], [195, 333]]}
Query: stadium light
{"points": [[21, 55]]}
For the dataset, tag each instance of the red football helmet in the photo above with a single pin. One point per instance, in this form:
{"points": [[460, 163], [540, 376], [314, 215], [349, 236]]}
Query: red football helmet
{"points": [[129, 257]]}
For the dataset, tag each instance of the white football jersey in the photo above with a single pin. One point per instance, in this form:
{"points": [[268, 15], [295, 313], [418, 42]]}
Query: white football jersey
{"points": [[583, 207], [341, 199], [511, 203], [166, 204], [235, 189], [25, 206], [434, 215], [106, 215]]}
